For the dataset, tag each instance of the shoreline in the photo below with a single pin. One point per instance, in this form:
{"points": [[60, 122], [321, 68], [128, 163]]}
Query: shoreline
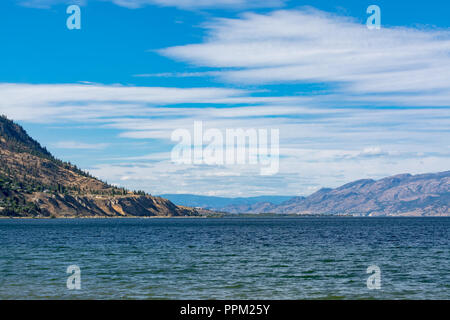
{"points": [[230, 216]]}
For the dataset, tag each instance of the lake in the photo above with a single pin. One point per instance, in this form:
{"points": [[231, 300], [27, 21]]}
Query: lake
{"points": [[226, 258]]}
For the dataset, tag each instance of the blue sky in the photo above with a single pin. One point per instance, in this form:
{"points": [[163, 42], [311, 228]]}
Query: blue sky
{"points": [[349, 102]]}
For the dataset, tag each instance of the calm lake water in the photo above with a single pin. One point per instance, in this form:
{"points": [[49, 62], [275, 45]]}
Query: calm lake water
{"points": [[228, 258]]}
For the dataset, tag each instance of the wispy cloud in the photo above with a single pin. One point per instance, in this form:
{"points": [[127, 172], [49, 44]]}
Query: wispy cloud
{"points": [[200, 4], [310, 46], [46, 4], [317, 149], [79, 145], [46, 103], [181, 4], [298, 176], [177, 74]]}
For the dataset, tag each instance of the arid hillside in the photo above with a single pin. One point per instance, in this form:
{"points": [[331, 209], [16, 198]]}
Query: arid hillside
{"points": [[400, 195], [33, 183]]}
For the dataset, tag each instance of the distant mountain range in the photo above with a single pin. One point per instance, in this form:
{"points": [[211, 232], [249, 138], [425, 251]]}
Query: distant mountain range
{"points": [[400, 195], [33, 183], [233, 205]]}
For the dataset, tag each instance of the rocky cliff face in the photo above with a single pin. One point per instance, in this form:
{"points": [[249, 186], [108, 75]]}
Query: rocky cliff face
{"points": [[400, 195], [64, 205], [33, 183]]}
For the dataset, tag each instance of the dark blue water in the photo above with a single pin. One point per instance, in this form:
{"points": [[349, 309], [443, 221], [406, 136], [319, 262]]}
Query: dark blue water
{"points": [[230, 258]]}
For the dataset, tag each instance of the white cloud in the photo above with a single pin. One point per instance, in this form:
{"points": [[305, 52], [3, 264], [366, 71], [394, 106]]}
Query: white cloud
{"points": [[45, 4], [46, 103], [176, 74], [79, 145], [200, 4], [327, 149], [181, 4], [372, 151], [311, 46], [298, 176]]}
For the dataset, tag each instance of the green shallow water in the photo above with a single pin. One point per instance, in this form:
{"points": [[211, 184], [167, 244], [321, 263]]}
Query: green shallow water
{"points": [[230, 258]]}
